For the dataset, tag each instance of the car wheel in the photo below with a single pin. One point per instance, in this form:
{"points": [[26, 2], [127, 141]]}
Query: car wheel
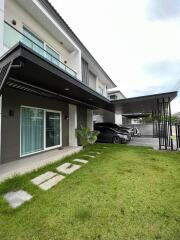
{"points": [[116, 140]]}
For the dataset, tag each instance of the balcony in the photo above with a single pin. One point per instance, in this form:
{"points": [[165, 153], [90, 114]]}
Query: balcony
{"points": [[13, 36]]}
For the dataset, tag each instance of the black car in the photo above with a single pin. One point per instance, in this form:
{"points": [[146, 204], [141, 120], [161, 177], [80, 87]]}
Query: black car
{"points": [[115, 127], [110, 135]]}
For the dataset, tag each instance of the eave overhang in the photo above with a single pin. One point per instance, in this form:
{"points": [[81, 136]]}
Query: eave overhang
{"points": [[142, 104], [37, 71]]}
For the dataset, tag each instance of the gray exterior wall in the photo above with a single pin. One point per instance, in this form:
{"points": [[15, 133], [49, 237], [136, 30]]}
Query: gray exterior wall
{"points": [[81, 116], [108, 116], [12, 100]]}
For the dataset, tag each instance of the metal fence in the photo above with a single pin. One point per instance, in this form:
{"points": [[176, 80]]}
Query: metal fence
{"points": [[177, 126]]}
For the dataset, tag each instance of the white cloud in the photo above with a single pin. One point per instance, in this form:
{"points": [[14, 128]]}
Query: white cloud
{"points": [[127, 36]]}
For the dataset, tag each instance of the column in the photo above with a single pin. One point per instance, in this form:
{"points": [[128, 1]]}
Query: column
{"points": [[72, 125]]}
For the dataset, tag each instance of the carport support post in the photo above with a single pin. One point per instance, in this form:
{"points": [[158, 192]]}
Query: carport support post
{"points": [[170, 122], [159, 120]]}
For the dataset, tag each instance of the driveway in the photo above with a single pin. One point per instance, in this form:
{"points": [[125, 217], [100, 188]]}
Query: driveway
{"points": [[145, 141]]}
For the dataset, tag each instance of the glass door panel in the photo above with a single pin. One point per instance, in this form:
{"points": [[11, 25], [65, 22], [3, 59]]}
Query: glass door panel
{"points": [[32, 130], [52, 129]]}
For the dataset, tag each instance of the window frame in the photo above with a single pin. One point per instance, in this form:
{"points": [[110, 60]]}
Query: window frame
{"points": [[44, 130]]}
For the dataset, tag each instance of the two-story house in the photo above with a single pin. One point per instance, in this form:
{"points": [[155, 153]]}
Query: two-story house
{"points": [[49, 82]]}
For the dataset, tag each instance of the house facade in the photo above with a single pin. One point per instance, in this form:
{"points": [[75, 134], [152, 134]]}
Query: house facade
{"points": [[50, 84]]}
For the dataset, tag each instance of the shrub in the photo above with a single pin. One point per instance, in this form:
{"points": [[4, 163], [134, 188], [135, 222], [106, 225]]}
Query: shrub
{"points": [[86, 136]]}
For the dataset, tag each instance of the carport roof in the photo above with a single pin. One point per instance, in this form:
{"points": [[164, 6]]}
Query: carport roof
{"points": [[142, 104]]}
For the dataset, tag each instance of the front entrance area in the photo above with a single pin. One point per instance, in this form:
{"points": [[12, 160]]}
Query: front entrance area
{"points": [[40, 130]]}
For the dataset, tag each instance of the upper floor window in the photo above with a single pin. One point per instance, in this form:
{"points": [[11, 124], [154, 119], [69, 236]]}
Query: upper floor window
{"points": [[113, 97], [84, 72], [100, 90]]}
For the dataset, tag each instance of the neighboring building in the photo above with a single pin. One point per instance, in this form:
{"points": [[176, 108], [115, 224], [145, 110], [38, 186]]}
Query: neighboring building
{"points": [[50, 83], [115, 94]]}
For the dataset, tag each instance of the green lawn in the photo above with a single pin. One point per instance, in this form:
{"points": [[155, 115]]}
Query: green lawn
{"points": [[125, 193]]}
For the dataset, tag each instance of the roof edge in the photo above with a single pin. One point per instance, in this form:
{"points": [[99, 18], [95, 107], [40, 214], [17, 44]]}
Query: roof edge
{"points": [[53, 11]]}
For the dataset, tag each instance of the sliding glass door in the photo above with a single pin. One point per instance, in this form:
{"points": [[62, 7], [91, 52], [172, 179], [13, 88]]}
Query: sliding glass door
{"points": [[40, 130], [52, 129], [32, 130]]}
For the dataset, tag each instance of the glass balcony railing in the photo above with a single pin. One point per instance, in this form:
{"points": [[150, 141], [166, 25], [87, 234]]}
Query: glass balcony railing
{"points": [[12, 37]]}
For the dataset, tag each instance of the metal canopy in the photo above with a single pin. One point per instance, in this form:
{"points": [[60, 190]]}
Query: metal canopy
{"points": [[38, 72], [142, 104]]}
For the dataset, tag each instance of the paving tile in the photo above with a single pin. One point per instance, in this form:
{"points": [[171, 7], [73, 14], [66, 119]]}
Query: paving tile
{"points": [[94, 152], [51, 182], [68, 168], [90, 156], [43, 177], [16, 199], [80, 160]]}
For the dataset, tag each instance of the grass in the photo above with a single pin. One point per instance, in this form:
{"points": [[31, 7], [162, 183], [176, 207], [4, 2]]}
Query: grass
{"points": [[126, 192]]}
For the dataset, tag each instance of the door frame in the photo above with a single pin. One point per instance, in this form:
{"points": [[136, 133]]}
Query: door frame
{"points": [[44, 131]]}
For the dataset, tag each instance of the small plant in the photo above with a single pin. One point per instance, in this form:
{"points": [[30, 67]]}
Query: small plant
{"points": [[86, 136]]}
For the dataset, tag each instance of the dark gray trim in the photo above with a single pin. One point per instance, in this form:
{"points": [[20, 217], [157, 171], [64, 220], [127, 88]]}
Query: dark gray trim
{"points": [[39, 71]]}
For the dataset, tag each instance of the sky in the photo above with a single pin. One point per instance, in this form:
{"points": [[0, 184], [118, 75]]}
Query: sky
{"points": [[136, 42]]}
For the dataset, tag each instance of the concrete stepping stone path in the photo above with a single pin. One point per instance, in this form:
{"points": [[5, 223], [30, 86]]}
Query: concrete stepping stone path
{"points": [[95, 153], [90, 156], [68, 168], [51, 182], [16, 199], [80, 160], [43, 177], [47, 180]]}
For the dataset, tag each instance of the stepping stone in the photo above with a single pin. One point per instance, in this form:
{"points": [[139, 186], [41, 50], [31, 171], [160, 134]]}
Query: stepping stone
{"points": [[90, 156], [51, 182], [95, 152], [80, 160], [16, 199], [68, 168], [104, 147], [43, 177]]}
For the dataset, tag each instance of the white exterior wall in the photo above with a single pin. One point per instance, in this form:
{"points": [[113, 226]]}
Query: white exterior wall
{"points": [[145, 129], [14, 11], [90, 119], [118, 119], [72, 125]]}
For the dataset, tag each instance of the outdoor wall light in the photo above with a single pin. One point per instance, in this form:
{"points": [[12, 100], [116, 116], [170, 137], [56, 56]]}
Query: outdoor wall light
{"points": [[11, 113], [13, 22], [66, 89], [66, 117]]}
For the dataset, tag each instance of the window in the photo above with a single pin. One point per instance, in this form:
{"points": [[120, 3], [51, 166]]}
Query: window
{"points": [[40, 130], [84, 70], [52, 55], [52, 129], [32, 41], [113, 97], [100, 90]]}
